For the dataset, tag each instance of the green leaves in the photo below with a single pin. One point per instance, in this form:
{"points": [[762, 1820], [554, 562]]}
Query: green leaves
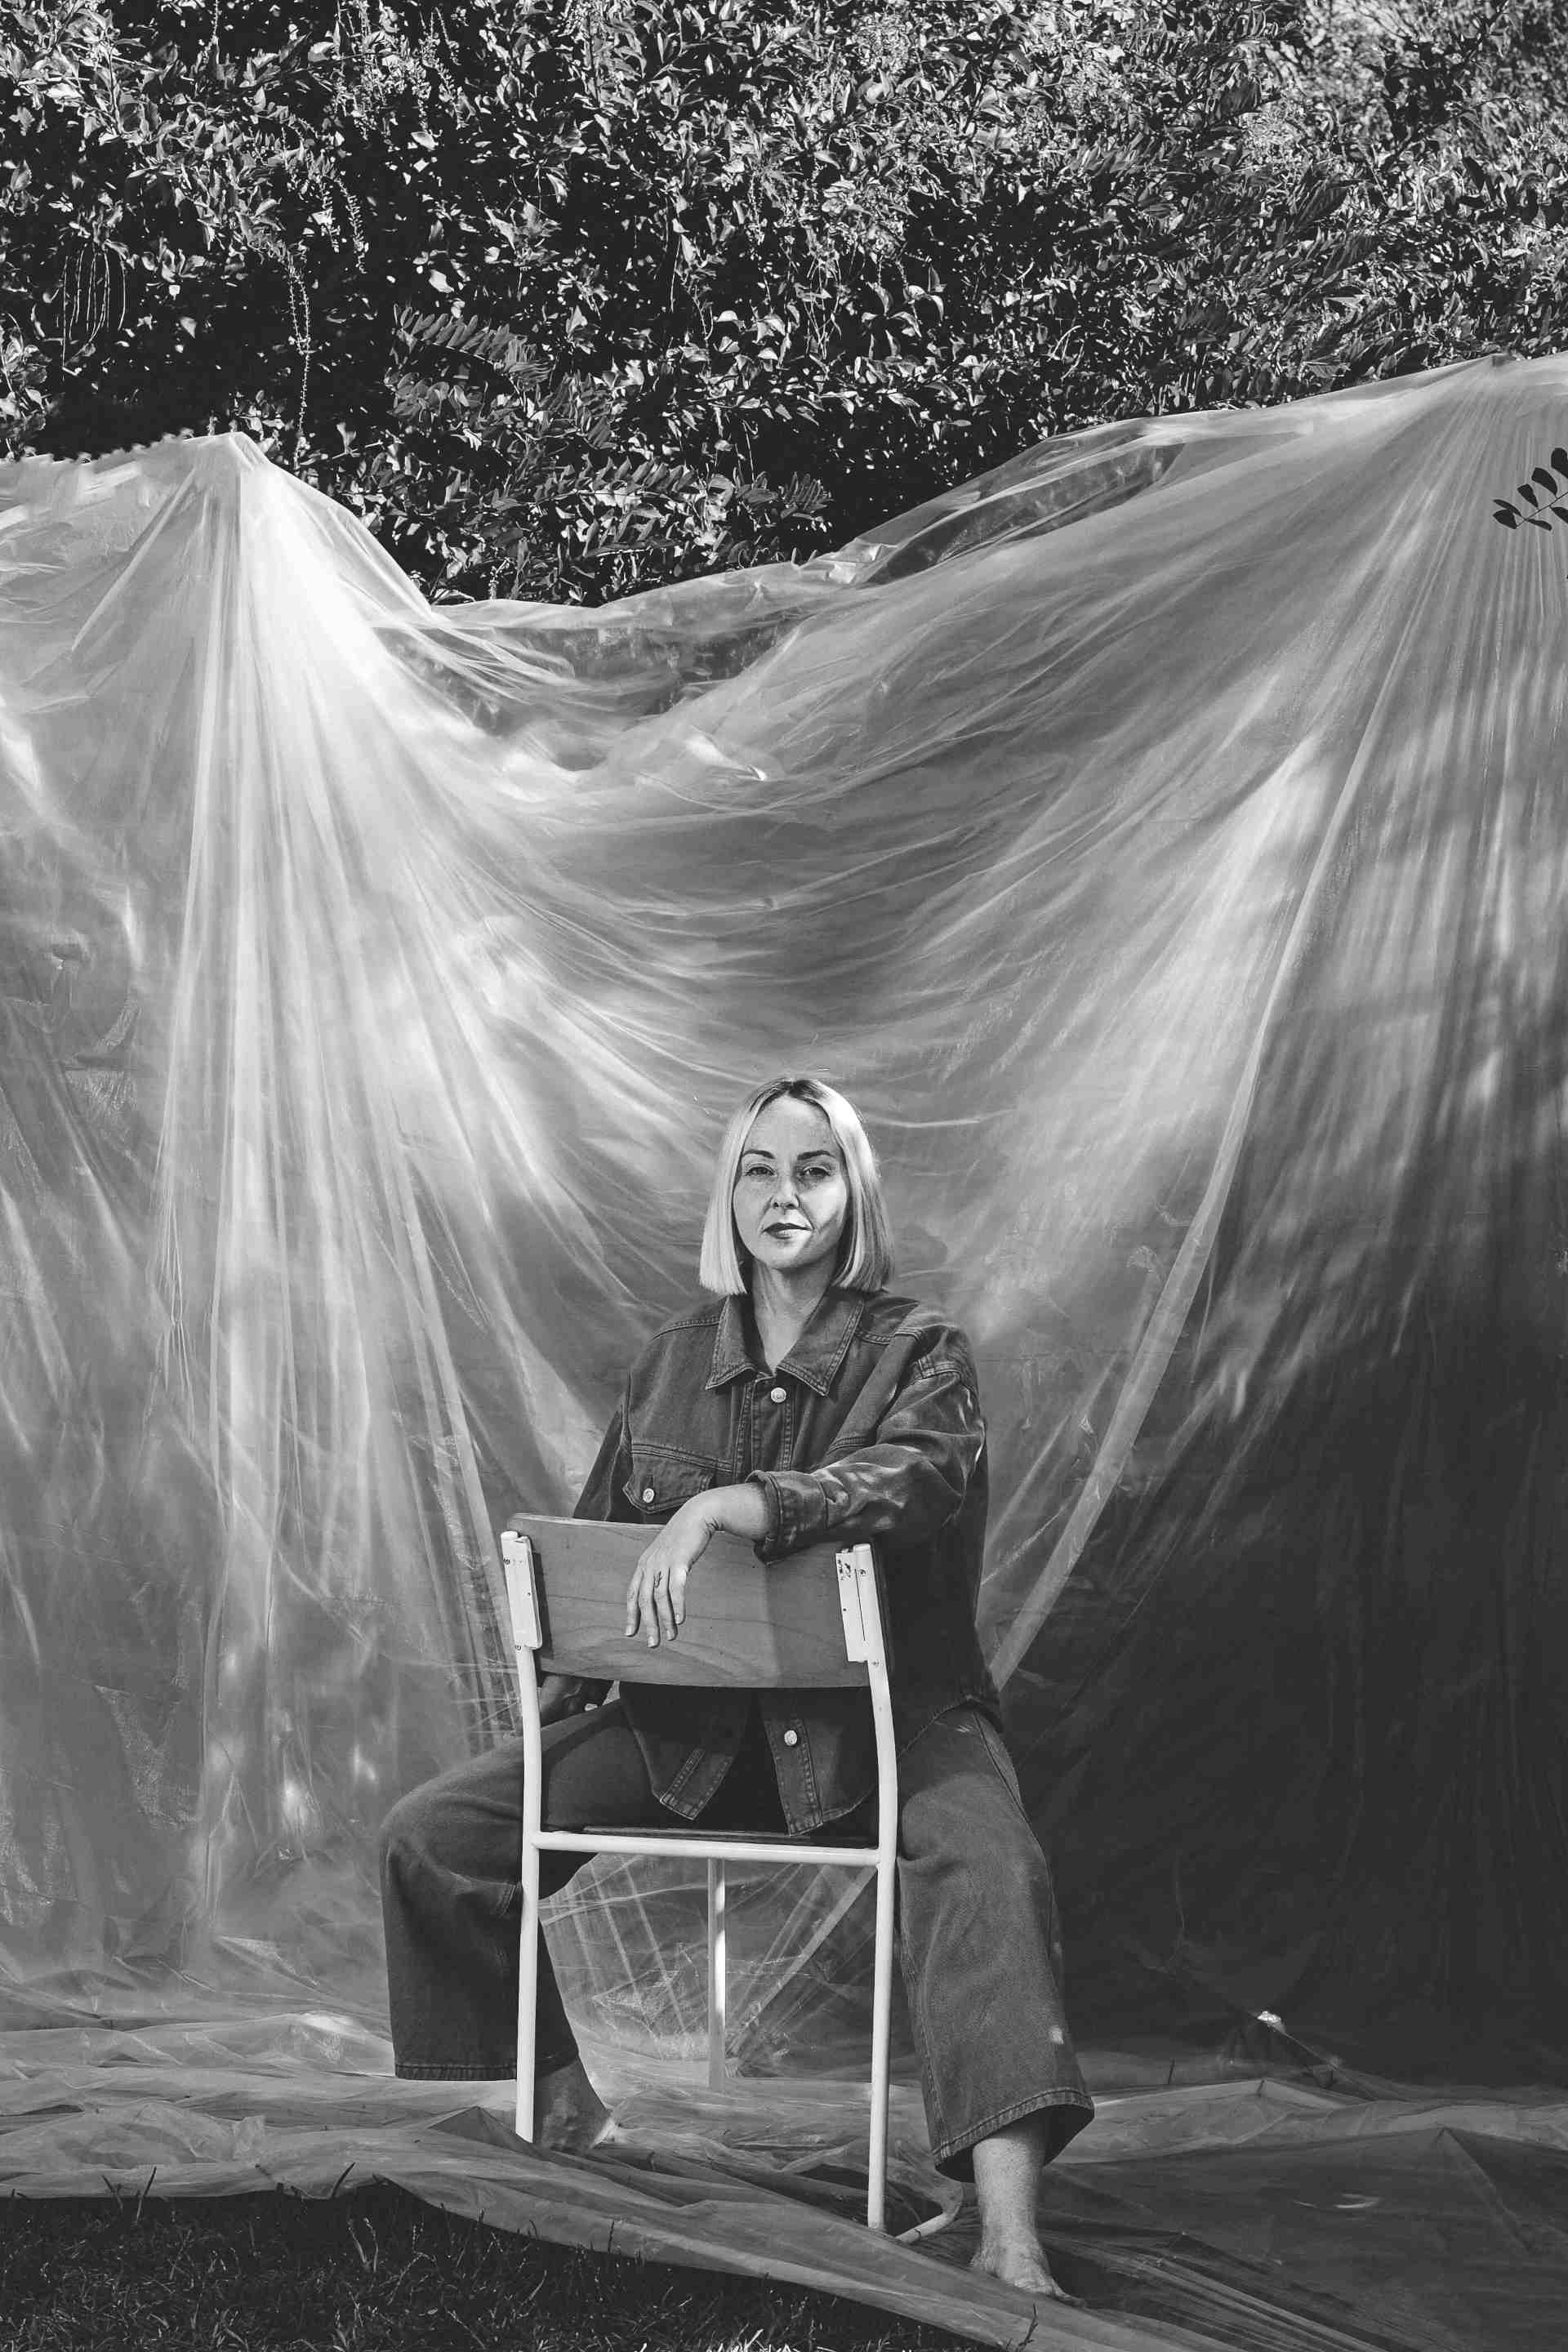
{"points": [[570, 296], [1532, 506]]}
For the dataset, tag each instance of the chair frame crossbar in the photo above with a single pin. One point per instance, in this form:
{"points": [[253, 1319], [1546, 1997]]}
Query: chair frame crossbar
{"points": [[526, 1548]]}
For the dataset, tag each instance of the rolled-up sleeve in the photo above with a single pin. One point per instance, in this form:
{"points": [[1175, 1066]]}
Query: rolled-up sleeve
{"points": [[909, 1480]]}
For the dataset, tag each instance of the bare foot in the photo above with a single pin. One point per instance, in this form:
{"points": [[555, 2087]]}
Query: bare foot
{"points": [[1007, 2165], [569, 2114], [1020, 2263]]}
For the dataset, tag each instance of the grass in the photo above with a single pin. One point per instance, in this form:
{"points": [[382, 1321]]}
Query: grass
{"points": [[377, 2271]]}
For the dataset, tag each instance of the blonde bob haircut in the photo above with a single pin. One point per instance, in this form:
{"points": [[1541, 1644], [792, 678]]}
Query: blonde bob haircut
{"points": [[865, 1252]]}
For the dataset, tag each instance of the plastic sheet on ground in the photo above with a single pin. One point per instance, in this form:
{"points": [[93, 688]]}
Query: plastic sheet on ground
{"points": [[1164, 840], [1250, 2211]]}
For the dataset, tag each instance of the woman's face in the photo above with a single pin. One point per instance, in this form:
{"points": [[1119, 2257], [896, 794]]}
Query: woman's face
{"points": [[792, 1197]]}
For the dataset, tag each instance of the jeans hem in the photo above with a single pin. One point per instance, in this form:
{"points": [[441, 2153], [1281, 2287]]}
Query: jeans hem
{"points": [[958, 2151]]}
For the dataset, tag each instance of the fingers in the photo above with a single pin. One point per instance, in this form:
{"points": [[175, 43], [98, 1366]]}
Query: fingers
{"points": [[656, 1599], [658, 1611], [646, 1596]]}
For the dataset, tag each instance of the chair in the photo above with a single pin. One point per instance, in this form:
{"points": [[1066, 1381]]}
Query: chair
{"points": [[811, 1621]]}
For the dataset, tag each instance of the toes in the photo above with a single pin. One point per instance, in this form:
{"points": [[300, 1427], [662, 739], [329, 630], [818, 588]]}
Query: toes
{"points": [[1027, 2273]]}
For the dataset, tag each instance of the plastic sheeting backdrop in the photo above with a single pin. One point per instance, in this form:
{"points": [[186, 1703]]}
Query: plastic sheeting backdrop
{"points": [[1164, 840]]}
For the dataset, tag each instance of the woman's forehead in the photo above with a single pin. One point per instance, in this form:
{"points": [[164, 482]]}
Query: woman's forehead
{"points": [[789, 1125]]}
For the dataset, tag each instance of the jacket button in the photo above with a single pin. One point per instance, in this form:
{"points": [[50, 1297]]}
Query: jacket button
{"points": [[792, 1739], [647, 1494], [777, 1396]]}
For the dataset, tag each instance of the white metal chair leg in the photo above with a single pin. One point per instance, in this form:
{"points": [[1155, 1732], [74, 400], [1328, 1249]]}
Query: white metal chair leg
{"points": [[527, 1993], [717, 1974], [858, 1567], [881, 2052], [523, 1599]]}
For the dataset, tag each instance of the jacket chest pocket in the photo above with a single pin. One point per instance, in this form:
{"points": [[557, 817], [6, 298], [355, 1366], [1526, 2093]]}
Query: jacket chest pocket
{"points": [[664, 1476]]}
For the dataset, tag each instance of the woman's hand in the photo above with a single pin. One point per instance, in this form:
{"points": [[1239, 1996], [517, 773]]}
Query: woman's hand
{"points": [[655, 1596]]}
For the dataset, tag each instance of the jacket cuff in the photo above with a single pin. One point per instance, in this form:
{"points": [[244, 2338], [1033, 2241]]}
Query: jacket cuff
{"points": [[796, 1508]]}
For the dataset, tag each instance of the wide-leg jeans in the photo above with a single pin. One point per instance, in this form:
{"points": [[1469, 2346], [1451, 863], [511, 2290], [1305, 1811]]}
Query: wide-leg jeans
{"points": [[979, 1937]]}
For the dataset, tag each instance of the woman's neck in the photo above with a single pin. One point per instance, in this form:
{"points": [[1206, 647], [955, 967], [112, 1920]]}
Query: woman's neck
{"points": [[783, 1305]]}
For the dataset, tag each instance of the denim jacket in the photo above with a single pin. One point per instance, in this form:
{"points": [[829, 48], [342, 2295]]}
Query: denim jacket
{"points": [[871, 1427]]}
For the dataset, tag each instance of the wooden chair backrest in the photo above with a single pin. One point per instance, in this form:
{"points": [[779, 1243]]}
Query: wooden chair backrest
{"points": [[747, 1625]]}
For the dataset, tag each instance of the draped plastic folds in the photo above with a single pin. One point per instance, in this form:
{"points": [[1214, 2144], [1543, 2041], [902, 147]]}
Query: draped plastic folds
{"points": [[1162, 840]]}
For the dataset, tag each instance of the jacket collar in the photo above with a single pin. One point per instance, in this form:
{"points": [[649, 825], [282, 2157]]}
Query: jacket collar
{"points": [[816, 1356]]}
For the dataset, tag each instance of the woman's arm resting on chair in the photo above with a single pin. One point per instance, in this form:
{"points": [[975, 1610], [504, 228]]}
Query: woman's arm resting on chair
{"points": [[655, 1596]]}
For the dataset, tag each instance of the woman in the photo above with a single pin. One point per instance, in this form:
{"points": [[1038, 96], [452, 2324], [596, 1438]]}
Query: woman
{"points": [[801, 1402]]}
